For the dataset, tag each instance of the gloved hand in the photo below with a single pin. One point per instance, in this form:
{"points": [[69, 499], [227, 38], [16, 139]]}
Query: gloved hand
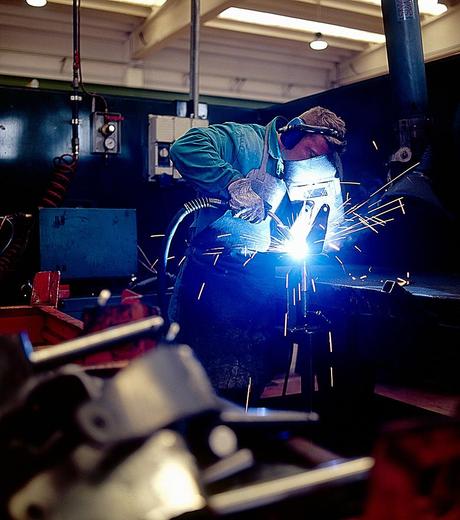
{"points": [[244, 201]]}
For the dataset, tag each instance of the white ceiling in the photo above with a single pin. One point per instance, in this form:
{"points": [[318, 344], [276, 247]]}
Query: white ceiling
{"points": [[125, 44]]}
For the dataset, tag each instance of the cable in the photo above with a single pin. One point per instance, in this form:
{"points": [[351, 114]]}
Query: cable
{"points": [[8, 220], [187, 209]]}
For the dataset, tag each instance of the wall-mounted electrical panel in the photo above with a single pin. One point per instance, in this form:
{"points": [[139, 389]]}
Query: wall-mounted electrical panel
{"points": [[163, 131], [106, 132]]}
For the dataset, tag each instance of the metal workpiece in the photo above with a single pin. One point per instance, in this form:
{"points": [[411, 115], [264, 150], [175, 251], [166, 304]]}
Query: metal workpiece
{"points": [[165, 385], [97, 341], [157, 481], [265, 493]]}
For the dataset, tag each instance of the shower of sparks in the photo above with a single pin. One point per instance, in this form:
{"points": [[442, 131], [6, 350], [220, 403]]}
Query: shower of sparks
{"points": [[201, 290], [181, 261], [330, 340], [157, 236], [355, 208], [216, 258], [285, 323]]}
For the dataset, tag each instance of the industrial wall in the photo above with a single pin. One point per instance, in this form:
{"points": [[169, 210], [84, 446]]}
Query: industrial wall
{"points": [[34, 128]]}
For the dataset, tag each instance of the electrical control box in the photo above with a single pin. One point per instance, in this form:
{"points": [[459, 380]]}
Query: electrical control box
{"points": [[88, 242], [163, 131], [106, 133]]}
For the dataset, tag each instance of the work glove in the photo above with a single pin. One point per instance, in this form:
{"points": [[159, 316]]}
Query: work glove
{"points": [[244, 201]]}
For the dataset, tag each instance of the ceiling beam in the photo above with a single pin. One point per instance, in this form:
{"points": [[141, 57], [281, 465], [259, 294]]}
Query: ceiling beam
{"points": [[285, 34], [170, 21], [111, 7], [318, 13]]}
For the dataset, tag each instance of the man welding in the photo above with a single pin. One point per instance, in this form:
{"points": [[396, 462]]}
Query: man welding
{"points": [[227, 299]]}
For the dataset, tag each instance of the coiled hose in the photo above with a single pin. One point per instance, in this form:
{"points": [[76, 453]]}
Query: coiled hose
{"points": [[64, 170], [187, 209]]}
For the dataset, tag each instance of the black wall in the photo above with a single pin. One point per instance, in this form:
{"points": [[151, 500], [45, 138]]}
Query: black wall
{"points": [[36, 128]]}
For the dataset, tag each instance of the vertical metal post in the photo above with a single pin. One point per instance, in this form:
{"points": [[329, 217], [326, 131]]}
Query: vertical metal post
{"points": [[194, 56], [401, 22]]}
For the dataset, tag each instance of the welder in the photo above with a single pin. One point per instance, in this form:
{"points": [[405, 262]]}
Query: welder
{"points": [[227, 299]]}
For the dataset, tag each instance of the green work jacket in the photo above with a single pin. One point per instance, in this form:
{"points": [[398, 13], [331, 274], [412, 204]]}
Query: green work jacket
{"points": [[209, 159]]}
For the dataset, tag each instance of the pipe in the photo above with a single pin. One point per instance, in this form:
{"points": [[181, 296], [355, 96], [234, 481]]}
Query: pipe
{"points": [[401, 22], [96, 341], [194, 56]]}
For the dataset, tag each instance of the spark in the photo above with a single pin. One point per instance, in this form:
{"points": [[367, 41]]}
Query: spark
{"points": [[170, 258], [355, 208], [216, 258], [357, 248], [313, 285], [332, 376], [224, 235], [364, 221], [157, 236], [383, 205], [154, 263], [363, 277], [148, 267], [330, 340], [402, 282], [375, 145], [352, 183], [246, 262], [287, 280], [248, 393], [181, 261], [285, 323], [293, 296], [144, 255], [201, 290]]}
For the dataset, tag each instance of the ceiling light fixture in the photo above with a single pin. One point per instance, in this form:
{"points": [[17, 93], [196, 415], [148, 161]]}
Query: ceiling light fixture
{"points": [[297, 24], [36, 3], [318, 43]]}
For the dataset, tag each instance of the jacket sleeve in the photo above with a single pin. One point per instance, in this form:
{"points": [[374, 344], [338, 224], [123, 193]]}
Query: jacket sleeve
{"points": [[204, 157]]}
